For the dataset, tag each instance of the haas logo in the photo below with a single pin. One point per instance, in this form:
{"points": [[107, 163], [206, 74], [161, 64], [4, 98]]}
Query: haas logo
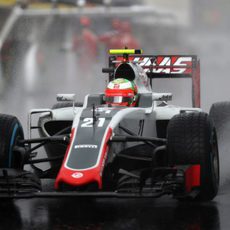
{"points": [[77, 175], [167, 65]]}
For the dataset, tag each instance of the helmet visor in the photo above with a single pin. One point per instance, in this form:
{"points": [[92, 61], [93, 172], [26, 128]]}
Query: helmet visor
{"points": [[119, 99]]}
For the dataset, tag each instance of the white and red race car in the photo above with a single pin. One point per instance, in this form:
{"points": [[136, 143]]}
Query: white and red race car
{"points": [[94, 149]]}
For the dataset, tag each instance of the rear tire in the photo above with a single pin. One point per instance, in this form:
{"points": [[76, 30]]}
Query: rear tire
{"points": [[192, 140], [220, 115], [10, 132]]}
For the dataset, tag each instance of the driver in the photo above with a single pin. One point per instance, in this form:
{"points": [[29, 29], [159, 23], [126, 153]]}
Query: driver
{"points": [[121, 92]]}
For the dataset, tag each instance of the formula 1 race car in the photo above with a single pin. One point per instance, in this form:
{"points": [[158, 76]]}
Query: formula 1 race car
{"points": [[99, 149]]}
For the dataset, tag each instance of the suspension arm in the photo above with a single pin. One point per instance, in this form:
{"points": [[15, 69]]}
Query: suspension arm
{"points": [[62, 138], [138, 138]]}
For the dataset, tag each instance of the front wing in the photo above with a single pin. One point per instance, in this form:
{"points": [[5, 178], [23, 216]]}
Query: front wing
{"points": [[177, 182]]}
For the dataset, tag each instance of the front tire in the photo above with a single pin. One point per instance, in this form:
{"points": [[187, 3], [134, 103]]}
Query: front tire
{"points": [[192, 140], [10, 132]]}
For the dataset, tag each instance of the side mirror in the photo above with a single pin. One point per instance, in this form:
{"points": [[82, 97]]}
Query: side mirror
{"points": [[66, 97]]}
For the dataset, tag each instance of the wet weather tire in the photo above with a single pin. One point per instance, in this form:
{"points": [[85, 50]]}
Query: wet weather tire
{"points": [[192, 140], [220, 115], [10, 132]]}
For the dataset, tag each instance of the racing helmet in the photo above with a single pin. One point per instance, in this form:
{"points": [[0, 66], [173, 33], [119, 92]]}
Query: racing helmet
{"points": [[121, 92]]}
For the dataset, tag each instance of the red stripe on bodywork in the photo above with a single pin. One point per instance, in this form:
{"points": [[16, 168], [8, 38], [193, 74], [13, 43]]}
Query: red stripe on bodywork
{"points": [[66, 154], [87, 176], [196, 86], [192, 177]]}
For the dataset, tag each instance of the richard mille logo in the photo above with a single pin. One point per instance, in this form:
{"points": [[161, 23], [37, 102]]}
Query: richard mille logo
{"points": [[85, 146]]}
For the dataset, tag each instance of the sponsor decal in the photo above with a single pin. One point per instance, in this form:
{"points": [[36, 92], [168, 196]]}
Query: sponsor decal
{"points": [[77, 175], [85, 146], [165, 65], [116, 86], [106, 110]]}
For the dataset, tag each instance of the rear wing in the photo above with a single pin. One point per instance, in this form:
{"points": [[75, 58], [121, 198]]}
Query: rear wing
{"points": [[165, 66]]}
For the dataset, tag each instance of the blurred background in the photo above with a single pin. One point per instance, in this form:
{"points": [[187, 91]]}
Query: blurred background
{"points": [[50, 47]]}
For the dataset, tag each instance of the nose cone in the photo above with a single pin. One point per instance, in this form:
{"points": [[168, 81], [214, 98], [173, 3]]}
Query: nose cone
{"points": [[78, 178], [84, 163]]}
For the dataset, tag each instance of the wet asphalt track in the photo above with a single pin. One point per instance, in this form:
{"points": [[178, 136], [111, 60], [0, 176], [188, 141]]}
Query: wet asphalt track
{"points": [[114, 214], [36, 71]]}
